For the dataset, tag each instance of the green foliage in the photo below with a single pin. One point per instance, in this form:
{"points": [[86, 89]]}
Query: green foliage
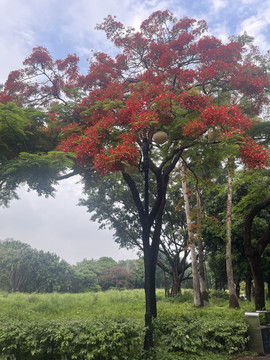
{"points": [[196, 333], [14, 129], [97, 340], [39, 171], [105, 325], [28, 139], [27, 270]]}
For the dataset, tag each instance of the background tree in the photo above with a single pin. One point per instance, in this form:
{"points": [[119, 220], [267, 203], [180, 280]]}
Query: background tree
{"points": [[110, 203], [116, 277], [27, 270]]}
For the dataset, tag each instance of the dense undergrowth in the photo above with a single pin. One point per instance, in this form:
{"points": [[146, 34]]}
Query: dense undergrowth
{"points": [[109, 326]]}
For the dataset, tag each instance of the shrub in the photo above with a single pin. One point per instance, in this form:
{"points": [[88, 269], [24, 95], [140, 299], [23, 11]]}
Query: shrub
{"points": [[199, 333], [100, 340]]}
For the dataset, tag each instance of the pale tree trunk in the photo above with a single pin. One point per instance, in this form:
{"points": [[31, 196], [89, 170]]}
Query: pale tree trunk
{"points": [[196, 283], [203, 286], [233, 298]]}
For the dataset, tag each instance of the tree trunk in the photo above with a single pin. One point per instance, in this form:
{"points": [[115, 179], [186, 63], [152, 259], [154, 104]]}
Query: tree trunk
{"points": [[150, 297], [237, 288], [203, 287], [257, 272], [151, 222], [268, 290], [181, 271], [248, 287], [165, 284], [254, 252], [175, 276], [233, 302], [196, 283]]}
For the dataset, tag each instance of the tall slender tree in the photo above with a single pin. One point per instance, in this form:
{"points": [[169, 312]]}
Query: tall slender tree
{"points": [[198, 301], [232, 292]]}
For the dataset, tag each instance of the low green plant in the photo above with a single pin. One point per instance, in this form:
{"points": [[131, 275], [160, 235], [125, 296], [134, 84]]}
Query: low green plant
{"points": [[110, 326], [200, 332], [66, 340]]}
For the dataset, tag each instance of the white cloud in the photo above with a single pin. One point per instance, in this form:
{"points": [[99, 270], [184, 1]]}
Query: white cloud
{"points": [[250, 2], [258, 25], [221, 31], [218, 5], [15, 36], [21, 23], [83, 16]]}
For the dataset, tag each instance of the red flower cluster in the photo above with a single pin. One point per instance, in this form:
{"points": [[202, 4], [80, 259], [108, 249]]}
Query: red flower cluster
{"points": [[4, 99], [254, 155], [114, 159], [194, 101], [226, 119], [40, 55]]}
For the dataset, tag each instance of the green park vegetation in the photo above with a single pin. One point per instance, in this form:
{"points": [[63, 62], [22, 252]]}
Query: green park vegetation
{"points": [[109, 325], [94, 310]]}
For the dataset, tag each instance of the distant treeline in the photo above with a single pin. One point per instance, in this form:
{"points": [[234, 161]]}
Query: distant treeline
{"points": [[25, 269]]}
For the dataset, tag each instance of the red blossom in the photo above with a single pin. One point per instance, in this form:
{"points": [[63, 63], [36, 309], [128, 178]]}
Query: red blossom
{"points": [[40, 55], [5, 98], [254, 155], [193, 101]]}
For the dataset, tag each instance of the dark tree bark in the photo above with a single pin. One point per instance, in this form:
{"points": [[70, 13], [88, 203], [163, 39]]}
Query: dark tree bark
{"points": [[175, 277], [178, 272], [248, 282], [254, 251], [151, 222], [237, 288]]}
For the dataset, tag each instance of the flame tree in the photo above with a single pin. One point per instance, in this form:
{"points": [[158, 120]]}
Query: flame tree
{"points": [[170, 75]]}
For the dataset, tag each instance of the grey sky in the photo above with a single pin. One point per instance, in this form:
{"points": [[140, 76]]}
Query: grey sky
{"points": [[58, 225]]}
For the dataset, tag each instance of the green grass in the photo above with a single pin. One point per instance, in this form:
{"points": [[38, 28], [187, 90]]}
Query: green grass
{"points": [[113, 304], [126, 304]]}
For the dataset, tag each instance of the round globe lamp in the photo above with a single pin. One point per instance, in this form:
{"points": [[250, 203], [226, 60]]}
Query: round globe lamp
{"points": [[160, 137]]}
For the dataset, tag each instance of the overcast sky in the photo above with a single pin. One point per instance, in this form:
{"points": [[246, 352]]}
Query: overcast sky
{"points": [[66, 27]]}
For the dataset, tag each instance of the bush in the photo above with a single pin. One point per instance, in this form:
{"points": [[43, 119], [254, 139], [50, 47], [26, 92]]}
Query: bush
{"points": [[199, 333], [101, 340]]}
